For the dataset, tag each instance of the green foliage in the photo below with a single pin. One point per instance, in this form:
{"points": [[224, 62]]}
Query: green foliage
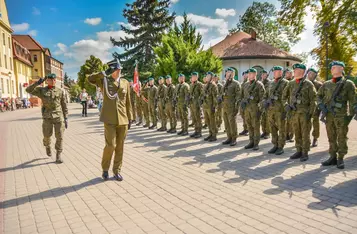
{"points": [[74, 91], [92, 65], [66, 80], [149, 20], [180, 52], [262, 17]]}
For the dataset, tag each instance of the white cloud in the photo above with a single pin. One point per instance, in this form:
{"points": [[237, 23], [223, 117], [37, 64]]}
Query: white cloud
{"points": [[202, 31], [20, 27], [36, 11], [174, 1], [32, 32], [93, 21], [219, 24], [212, 42], [225, 12], [127, 25]]}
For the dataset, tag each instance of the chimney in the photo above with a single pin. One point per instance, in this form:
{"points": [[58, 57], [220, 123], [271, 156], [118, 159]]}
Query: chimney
{"points": [[253, 34]]}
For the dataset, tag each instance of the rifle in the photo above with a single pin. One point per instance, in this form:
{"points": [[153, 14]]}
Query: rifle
{"points": [[296, 95], [273, 97], [244, 103]]}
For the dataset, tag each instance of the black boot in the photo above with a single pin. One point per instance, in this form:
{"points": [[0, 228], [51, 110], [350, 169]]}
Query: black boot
{"points": [[152, 126], [198, 135], [256, 147], [163, 129], [314, 143], [105, 175], [118, 177], [138, 124], [243, 133], [249, 146], [145, 126], [304, 157], [233, 142], [340, 163], [180, 133], [59, 158], [168, 131], [213, 138], [296, 155], [159, 129], [173, 130], [48, 151], [273, 150], [193, 134], [185, 133], [331, 161], [279, 151], [227, 142], [207, 138]]}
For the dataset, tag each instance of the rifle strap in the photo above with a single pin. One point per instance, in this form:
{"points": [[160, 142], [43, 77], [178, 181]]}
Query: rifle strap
{"points": [[338, 89], [277, 86], [299, 88]]}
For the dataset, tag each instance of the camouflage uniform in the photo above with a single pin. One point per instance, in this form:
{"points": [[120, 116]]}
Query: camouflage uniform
{"points": [[161, 100], [315, 118], [193, 123], [241, 111], [183, 95], [196, 93], [133, 102], [289, 131], [145, 104], [139, 107], [153, 105], [210, 107], [170, 107], [219, 110], [265, 122]]}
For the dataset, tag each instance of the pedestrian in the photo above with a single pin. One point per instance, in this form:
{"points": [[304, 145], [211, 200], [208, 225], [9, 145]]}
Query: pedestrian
{"points": [[116, 115], [219, 111], [334, 98], [84, 98], [133, 100], [241, 111], [196, 93], [288, 75], [299, 100], [210, 106], [312, 74], [153, 102], [170, 104], [183, 96], [54, 113], [100, 100], [252, 95], [265, 122], [161, 104], [275, 111], [231, 99]]}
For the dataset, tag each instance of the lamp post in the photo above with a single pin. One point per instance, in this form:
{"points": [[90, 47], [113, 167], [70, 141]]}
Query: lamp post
{"points": [[326, 25]]}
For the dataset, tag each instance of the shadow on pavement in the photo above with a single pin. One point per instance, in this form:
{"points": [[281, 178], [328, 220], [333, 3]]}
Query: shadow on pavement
{"points": [[26, 165]]}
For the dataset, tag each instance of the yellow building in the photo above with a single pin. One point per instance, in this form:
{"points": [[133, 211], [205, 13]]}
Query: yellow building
{"points": [[22, 68], [7, 78]]}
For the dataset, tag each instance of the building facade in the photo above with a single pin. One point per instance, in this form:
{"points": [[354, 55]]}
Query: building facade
{"points": [[57, 68], [7, 77]]}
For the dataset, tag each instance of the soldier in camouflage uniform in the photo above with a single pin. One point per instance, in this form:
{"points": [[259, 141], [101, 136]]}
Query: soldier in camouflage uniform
{"points": [[54, 113], [161, 103], [274, 108], [252, 95], [288, 75], [312, 74], [132, 99], [193, 124], [183, 98], [299, 99], [265, 122], [241, 111], [205, 117], [153, 103], [139, 108], [170, 104], [219, 102], [334, 105], [210, 106], [145, 102], [231, 99], [196, 93]]}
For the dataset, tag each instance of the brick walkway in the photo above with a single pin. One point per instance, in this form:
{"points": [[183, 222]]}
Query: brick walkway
{"points": [[171, 184]]}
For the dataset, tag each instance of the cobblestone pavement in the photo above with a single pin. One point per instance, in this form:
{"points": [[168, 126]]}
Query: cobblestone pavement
{"points": [[171, 184]]}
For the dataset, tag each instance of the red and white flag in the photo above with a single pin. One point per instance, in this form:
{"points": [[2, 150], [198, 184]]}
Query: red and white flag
{"points": [[136, 85]]}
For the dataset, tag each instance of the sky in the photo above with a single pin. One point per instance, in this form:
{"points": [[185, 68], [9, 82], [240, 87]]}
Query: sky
{"points": [[74, 30]]}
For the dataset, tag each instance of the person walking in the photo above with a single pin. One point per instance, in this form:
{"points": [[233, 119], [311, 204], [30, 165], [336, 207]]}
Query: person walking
{"points": [[84, 98]]}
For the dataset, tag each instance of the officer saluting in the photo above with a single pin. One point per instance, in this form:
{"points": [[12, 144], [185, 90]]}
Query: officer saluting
{"points": [[116, 115], [54, 110]]}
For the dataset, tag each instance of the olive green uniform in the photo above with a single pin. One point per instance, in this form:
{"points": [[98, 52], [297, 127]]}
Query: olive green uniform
{"points": [[133, 101], [170, 105], [315, 118], [145, 104], [210, 107], [305, 108], [337, 124], [219, 111], [183, 95], [253, 93], [161, 105], [289, 131], [196, 93], [153, 104], [265, 122], [54, 110], [276, 111], [231, 99], [139, 108], [241, 111], [116, 114], [193, 123]]}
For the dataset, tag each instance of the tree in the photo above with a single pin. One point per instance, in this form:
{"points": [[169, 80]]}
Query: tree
{"points": [[149, 19], [66, 80], [262, 17], [74, 91], [336, 21], [92, 65], [180, 52]]}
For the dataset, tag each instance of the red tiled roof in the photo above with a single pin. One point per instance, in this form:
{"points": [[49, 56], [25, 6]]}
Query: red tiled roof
{"points": [[241, 45], [21, 53], [28, 42]]}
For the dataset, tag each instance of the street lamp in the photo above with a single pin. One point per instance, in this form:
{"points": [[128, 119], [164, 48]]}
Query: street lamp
{"points": [[326, 25]]}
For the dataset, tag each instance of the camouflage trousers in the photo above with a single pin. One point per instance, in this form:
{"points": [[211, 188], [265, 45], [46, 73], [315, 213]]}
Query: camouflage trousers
{"points": [[182, 111], [241, 111], [153, 113], [47, 129], [337, 129], [145, 106], [211, 122], [265, 123], [196, 117], [162, 113], [219, 114], [171, 115], [277, 128], [289, 131], [315, 127], [133, 107], [192, 118], [230, 122], [139, 111], [302, 128], [253, 122]]}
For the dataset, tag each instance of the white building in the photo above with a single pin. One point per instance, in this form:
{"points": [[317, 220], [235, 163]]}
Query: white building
{"points": [[242, 51]]}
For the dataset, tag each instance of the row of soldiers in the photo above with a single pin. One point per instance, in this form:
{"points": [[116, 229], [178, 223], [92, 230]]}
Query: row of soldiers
{"points": [[285, 106]]}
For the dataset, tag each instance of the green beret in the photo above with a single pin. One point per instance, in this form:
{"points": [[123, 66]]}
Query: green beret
{"points": [[181, 75], [264, 71], [336, 63], [194, 73], [313, 70], [299, 65], [168, 77], [51, 76], [150, 79], [161, 77], [230, 69], [210, 73], [277, 68], [252, 70]]}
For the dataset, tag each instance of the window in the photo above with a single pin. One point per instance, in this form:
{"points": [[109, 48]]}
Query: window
{"points": [[9, 43], [5, 60], [35, 58], [3, 38]]}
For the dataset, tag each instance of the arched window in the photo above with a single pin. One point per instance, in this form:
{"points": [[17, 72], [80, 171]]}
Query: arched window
{"points": [[259, 71]]}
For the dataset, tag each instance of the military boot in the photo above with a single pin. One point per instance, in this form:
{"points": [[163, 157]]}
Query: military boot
{"points": [[296, 155], [152, 126], [227, 142], [193, 134], [118, 177], [48, 151], [198, 135], [163, 129], [173, 130], [169, 131], [331, 161], [279, 151], [250, 145], [159, 129], [59, 158], [207, 138], [184, 133], [233, 142], [256, 147], [139, 123], [304, 157], [314, 143], [273, 150], [243, 133], [213, 138], [180, 132], [105, 175], [145, 126], [340, 163], [191, 125]]}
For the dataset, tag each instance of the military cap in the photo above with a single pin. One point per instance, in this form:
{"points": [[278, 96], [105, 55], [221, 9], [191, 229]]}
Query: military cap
{"points": [[264, 71], [336, 63], [313, 70], [210, 73], [145, 81], [51, 76], [194, 73], [168, 77], [181, 75], [230, 69], [299, 65], [277, 68], [252, 70], [151, 78], [130, 80], [161, 77]]}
